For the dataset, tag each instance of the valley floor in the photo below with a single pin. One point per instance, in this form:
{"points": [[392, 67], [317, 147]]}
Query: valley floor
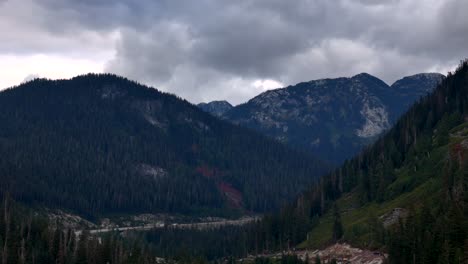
{"points": [[195, 225]]}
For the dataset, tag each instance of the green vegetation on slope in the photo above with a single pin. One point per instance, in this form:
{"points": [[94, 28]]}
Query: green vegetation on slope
{"points": [[420, 166]]}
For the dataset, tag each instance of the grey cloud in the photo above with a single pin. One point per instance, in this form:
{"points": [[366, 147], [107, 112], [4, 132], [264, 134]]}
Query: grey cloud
{"points": [[31, 77], [453, 27], [25, 30], [311, 39], [154, 55], [101, 15], [215, 49]]}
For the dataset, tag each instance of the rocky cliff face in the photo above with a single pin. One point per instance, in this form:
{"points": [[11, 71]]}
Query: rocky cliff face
{"points": [[216, 108], [332, 118]]}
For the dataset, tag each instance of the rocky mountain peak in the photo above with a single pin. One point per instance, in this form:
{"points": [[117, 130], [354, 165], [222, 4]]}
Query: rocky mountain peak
{"points": [[332, 118], [413, 82], [364, 75], [412, 87], [216, 108]]}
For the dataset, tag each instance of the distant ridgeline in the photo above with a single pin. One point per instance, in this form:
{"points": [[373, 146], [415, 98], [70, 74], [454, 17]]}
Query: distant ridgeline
{"points": [[99, 144], [406, 194], [331, 118], [216, 108]]}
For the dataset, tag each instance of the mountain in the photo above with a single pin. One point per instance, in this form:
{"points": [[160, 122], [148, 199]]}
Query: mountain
{"points": [[403, 199], [216, 108], [331, 118], [411, 88], [406, 194], [102, 144]]}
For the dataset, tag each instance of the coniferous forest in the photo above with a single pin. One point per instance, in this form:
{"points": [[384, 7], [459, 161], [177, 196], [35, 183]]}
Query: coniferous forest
{"points": [[100, 144], [233, 132], [420, 166], [421, 163], [26, 238]]}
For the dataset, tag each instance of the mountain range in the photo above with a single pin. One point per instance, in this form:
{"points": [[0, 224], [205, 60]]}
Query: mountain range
{"points": [[101, 144], [406, 194], [402, 199], [331, 118]]}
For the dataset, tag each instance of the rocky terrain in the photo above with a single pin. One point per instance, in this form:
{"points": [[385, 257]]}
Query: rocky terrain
{"points": [[216, 108], [332, 118], [141, 222], [411, 88], [342, 253]]}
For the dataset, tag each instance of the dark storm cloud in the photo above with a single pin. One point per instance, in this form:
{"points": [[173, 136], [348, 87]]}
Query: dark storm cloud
{"points": [[216, 49], [102, 15]]}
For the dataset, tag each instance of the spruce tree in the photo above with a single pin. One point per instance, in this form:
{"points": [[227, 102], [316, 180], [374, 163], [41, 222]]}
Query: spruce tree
{"points": [[337, 226]]}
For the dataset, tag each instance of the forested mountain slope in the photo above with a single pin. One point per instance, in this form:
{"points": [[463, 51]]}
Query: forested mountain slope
{"points": [[28, 238], [332, 118], [99, 144], [406, 194]]}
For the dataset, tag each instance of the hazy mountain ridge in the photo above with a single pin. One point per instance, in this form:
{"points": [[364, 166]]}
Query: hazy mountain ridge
{"points": [[332, 118]]}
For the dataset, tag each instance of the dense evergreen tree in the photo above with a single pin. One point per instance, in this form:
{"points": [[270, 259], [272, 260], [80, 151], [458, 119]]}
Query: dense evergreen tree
{"points": [[436, 235], [101, 144], [337, 226], [54, 159], [26, 238]]}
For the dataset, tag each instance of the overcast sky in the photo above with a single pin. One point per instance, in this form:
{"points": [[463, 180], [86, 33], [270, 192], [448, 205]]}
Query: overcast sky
{"points": [[223, 49]]}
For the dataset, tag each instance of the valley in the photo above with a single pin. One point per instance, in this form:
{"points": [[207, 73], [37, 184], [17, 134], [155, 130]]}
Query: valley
{"points": [[195, 225], [143, 222], [170, 181], [233, 132]]}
